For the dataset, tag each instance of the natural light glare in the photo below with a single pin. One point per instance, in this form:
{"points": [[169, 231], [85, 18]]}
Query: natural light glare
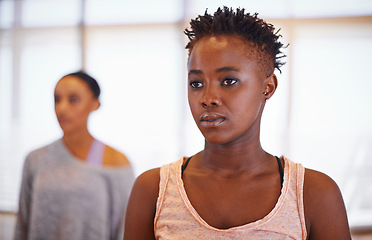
{"points": [[5, 85], [6, 13], [332, 8], [289, 8], [330, 125], [140, 88], [265, 8], [100, 12], [46, 13]]}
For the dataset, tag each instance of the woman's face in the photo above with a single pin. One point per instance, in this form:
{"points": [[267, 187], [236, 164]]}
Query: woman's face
{"points": [[73, 102], [225, 89]]}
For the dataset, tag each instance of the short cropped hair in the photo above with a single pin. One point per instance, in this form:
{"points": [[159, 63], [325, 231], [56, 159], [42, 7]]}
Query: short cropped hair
{"points": [[249, 27], [92, 83]]}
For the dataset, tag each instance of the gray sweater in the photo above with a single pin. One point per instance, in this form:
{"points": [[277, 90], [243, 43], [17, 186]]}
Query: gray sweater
{"points": [[64, 198]]}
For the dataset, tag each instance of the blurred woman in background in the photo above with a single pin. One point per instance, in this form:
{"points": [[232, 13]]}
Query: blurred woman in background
{"points": [[76, 187]]}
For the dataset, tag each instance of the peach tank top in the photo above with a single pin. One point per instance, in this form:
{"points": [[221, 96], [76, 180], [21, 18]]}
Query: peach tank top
{"points": [[176, 218]]}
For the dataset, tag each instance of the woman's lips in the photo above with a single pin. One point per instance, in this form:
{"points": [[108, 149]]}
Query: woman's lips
{"points": [[63, 120], [211, 120]]}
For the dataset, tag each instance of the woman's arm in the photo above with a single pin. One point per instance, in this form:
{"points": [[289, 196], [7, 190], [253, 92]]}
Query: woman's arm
{"points": [[325, 211], [23, 215], [139, 221]]}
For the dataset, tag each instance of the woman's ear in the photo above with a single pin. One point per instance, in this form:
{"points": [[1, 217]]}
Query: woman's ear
{"points": [[96, 104], [270, 85]]}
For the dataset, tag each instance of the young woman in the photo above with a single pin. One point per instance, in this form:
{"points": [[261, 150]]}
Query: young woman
{"points": [[76, 187], [233, 189]]}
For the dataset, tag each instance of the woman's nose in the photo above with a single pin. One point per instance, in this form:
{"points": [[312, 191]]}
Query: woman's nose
{"points": [[61, 106], [210, 98]]}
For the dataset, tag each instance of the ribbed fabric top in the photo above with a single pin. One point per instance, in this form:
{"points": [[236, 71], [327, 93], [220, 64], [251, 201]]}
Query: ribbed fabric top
{"points": [[63, 198], [177, 219]]}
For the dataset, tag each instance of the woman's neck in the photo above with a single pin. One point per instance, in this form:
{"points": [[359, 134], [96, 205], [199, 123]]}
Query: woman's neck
{"points": [[78, 143], [234, 158]]}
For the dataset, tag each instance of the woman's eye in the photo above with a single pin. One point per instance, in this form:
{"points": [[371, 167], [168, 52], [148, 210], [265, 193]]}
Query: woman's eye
{"points": [[56, 99], [229, 82], [196, 84], [74, 99]]}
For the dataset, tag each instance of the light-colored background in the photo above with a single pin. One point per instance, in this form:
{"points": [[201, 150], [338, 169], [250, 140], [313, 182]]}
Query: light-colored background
{"points": [[320, 116]]}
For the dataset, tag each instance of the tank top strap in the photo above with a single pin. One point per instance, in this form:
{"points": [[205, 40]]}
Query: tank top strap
{"points": [[96, 151]]}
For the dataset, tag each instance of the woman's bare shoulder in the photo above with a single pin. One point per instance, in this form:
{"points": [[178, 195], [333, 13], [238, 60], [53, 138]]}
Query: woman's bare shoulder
{"points": [[146, 188], [139, 222], [149, 180], [318, 181], [325, 211], [114, 158]]}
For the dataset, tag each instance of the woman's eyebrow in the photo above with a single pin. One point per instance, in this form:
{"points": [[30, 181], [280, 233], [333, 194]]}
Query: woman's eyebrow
{"points": [[195, 71], [227, 69], [222, 69]]}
